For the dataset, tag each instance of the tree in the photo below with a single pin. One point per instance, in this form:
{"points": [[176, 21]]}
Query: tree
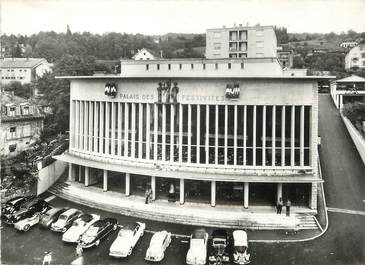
{"points": [[23, 91], [298, 62], [17, 52]]}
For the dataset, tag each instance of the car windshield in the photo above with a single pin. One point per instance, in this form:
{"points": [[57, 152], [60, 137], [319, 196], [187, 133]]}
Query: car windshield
{"points": [[76, 224], [92, 231], [240, 249], [219, 242], [63, 217], [124, 232]]}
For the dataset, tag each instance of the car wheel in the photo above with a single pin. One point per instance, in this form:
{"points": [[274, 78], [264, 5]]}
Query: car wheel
{"points": [[97, 243], [26, 227]]}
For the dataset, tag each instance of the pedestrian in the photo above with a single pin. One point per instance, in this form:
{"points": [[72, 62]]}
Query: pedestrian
{"points": [[287, 205], [79, 250], [147, 195], [279, 206], [47, 258]]}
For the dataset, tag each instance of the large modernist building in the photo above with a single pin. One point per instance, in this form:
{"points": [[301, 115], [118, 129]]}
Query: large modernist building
{"points": [[230, 131], [241, 42]]}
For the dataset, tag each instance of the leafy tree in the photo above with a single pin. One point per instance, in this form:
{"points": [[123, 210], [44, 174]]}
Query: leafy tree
{"points": [[24, 91], [298, 62], [17, 52]]}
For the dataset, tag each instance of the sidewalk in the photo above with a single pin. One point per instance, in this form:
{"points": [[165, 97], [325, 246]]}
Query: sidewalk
{"points": [[196, 214]]}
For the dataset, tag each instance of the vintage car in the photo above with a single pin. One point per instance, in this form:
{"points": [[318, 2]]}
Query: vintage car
{"points": [[197, 253], [65, 220], [218, 250], [240, 245], [79, 226], [126, 240], [27, 209], [13, 205], [26, 223], [97, 231], [47, 218], [159, 243]]}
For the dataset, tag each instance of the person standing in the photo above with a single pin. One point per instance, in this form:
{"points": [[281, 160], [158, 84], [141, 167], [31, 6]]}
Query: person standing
{"points": [[279, 206], [288, 205], [47, 258]]}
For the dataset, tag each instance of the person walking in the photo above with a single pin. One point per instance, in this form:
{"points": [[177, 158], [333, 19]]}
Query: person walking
{"points": [[279, 206], [288, 205], [47, 258]]}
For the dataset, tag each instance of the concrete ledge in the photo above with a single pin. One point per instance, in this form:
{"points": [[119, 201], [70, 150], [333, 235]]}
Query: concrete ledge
{"points": [[356, 137]]}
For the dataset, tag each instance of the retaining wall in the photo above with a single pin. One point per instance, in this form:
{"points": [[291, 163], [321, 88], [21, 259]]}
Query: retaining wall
{"points": [[358, 139], [48, 175]]}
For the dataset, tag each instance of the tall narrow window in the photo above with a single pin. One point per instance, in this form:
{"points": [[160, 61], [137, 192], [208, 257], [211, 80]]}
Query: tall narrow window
{"points": [[180, 66], [203, 66], [158, 66], [229, 65], [216, 66], [169, 66], [147, 67], [242, 65], [192, 66]]}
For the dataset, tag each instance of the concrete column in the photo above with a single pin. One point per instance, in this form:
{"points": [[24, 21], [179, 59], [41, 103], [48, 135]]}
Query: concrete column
{"points": [[140, 129], [235, 136], [86, 124], [254, 136], [153, 187], [101, 127], [244, 134], [126, 128], [112, 137], [155, 130], [77, 124], [182, 191], [107, 127], [279, 193], [225, 133], [207, 134], [172, 131], [105, 180], [313, 197], [91, 125], [180, 131], [87, 180], [119, 129], [72, 124], [96, 127], [213, 193], [81, 132], [264, 136], [148, 131], [71, 172], [216, 135], [189, 133], [273, 136], [246, 193], [80, 174], [133, 131], [302, 136], [341, 102], [127, 184], [283, 136], [292, 146], [198, 134], [164, 132]]}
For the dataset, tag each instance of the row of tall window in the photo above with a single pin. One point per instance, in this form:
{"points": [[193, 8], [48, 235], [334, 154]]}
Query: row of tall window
{"points": [[186, 133]]}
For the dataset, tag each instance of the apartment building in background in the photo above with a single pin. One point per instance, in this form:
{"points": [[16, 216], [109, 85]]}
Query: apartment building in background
{"points": [[355, 57], [241, 42]]}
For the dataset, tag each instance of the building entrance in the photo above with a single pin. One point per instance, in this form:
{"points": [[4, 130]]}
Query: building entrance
{"points": [[262, 194]]}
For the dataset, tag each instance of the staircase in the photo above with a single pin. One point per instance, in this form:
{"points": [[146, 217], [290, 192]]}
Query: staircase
{"points": [[174, 213]]}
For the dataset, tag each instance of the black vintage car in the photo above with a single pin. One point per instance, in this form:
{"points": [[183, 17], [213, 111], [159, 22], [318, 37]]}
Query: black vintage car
{"points": [[14, 204], [218, 253], [29, 208], [99, 230]]}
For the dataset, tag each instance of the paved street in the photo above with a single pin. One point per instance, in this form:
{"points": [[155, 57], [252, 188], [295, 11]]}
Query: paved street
{"points": [[344, 242]]}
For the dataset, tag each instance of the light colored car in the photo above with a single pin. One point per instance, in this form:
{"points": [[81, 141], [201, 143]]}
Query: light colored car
{"points": [[159, 243], [79, 226], [197, 253], [126, 240], [240, 244], [65, 220], [26, 223]]}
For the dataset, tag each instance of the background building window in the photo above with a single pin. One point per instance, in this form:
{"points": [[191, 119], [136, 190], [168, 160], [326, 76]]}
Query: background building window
{"points": [[217, 46], [216, 35], [12, 147], [259, 44], [259, 33], [259, 54]]}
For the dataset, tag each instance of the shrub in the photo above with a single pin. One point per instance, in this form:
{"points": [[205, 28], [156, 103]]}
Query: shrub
{"points": [[355, 112]]}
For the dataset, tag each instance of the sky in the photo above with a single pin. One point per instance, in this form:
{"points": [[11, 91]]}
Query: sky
{"points": [[155, 17]]}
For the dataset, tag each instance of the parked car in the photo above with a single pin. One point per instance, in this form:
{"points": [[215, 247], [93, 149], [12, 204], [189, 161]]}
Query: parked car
{"points": [[218, 249], [50, 216], [97, 231], [65, 220], [240, 245], [126, 240], [26, 223], [197, 253], [13, 205], [159, 243], [79, 226], [27, 209]]}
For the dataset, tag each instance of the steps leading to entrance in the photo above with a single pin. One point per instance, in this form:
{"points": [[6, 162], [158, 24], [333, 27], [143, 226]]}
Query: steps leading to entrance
{"points": [[189, 214]]}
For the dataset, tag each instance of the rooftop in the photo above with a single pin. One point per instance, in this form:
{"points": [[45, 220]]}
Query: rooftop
{"points": [[351, 79], [21, 62]]}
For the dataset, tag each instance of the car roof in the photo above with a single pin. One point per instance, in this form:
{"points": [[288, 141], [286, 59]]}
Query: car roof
{"points": [[199, 234], [70, 211], [86, 217], [159, 236]]}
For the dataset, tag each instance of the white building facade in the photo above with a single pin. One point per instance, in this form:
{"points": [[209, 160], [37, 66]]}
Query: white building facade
{"points": [[355, 58], [218, 130]]}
